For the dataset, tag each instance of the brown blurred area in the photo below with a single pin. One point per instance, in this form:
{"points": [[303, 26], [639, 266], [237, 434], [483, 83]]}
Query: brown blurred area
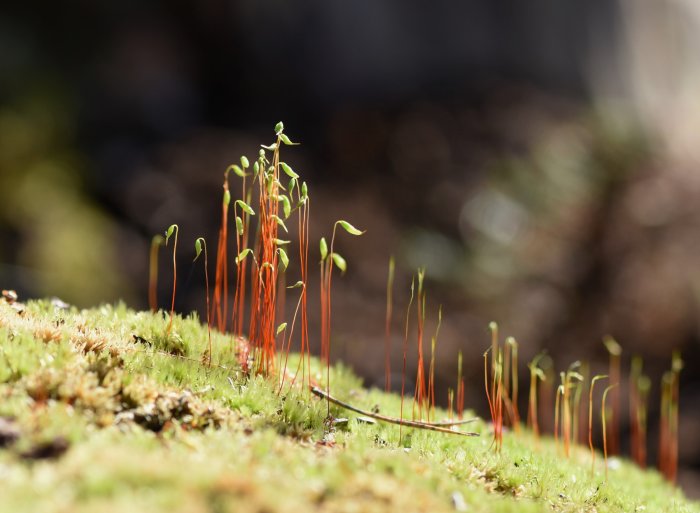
{"points": [[540, 161]]}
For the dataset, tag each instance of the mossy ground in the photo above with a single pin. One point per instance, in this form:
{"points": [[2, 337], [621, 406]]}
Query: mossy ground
{"points": [[100, 411]]}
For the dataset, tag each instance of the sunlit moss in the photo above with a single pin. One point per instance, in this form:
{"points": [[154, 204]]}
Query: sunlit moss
{"points": [[152, 430]]}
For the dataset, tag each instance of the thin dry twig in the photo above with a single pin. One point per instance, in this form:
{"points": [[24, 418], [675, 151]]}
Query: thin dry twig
{"points": [[441, 428]]}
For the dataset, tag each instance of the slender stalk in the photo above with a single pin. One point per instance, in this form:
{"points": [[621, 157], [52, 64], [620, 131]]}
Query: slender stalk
{"points": [[568, 381], [333, 259], [602, 416], [560, 392], [173, 228], [514, 382], [450, 403], [643, 388], [567, 415], [221, 274], [532, 414], [419, 396], [199, 243], [492, 409], [387, 325], [590, 419], [303, 225], [493, 327], [460, 387], [495, 398], [614, 351], [664, 428], [546, 392], [242, 231], [498, 428], [405, 349], [676, 366], [289, 343], [579, 408], [156, 242], [431, 379], [633, 382]]}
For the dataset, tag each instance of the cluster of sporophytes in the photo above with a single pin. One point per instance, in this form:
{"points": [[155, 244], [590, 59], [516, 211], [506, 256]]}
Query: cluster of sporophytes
{"points": [[269, 194], [569, 409], [501, 385]]}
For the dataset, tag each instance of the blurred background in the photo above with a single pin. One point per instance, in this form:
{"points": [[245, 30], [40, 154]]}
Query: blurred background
{"points": [[540, 159]]}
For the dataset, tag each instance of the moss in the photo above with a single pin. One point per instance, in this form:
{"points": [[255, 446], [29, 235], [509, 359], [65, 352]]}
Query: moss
{"points": [[149, 426]]}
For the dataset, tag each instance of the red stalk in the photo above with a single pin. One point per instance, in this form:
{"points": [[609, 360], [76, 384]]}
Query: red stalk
{"points": [[420, 393]]}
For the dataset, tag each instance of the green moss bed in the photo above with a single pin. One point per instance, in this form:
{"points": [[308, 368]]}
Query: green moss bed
{"points": [[100, 411]]}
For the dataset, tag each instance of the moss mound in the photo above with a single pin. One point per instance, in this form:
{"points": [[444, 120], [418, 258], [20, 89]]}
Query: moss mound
{"points": [[101, 411]]}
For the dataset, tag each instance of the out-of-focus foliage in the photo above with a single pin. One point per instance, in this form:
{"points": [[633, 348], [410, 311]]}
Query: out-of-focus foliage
{"points": [[56, 241]]}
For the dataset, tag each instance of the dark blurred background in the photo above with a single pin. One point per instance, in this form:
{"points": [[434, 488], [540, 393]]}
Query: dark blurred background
{"points": [[539, 158]]}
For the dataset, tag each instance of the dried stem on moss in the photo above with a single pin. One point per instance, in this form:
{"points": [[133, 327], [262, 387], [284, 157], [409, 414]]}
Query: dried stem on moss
{"points": [[392, 420]]}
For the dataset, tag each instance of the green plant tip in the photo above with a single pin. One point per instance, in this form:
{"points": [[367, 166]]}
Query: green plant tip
{"points": [[349, 228], [198, 247], [281, 328], [242, 255], [287, 141], [323, 246], [169, 232], [283, 257], [288, 170], [245, 207], [339, 262], [612, 346]]}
